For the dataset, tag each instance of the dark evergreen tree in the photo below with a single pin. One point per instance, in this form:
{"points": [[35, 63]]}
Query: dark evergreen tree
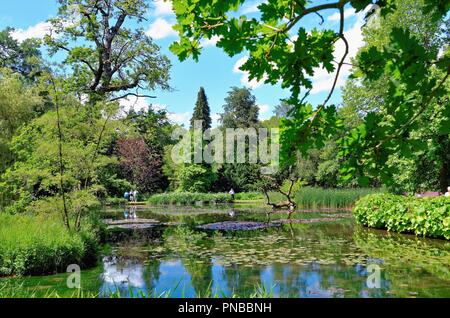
{"points": [[202, 111], [240, 110]]}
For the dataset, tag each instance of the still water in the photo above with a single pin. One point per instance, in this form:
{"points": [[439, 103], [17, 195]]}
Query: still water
{"points": [[322, 254]]}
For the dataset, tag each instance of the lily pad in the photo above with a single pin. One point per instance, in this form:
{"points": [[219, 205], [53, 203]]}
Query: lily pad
{"points": [[236, 226]]}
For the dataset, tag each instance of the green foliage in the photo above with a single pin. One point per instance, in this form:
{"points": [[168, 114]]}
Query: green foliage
{"points": [[187, 198], [201, 111], [242, 177], [36, 172], [21, 57], [313, 198], [11, 289], [19, 103], [250, 196], [240, 109], [423, 164], [106, 55], [400, 93], [240, 112], [421, 216], [42, 245], [275, 56], [116, 201], [195, 178]]}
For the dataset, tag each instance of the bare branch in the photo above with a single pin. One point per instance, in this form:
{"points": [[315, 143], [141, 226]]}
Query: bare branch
{"points": [[132, 94]]}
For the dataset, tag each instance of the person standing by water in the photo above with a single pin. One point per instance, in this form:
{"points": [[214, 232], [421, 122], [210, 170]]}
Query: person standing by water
{"points": [[131, 196], [135, 195], [232, 193]]}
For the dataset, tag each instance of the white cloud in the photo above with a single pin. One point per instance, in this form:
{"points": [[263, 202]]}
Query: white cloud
{"points": [[36, 31], [160, 29], [136, 103], [131, 275], [215, 119], [251, 7], [180, 118], [163, 7], [210, 42], [322, 80], [264, 111], [264, 108], [245, 74], [337, 16], [157, 106]]}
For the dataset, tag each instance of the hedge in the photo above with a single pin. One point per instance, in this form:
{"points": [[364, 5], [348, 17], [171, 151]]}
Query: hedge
{"points": [[421, 216]]}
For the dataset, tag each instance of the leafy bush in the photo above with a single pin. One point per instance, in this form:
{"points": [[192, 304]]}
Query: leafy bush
{"points": [[421, 216], [195, 178], [311, 198], [189, 198], [42, 245], [115, 201]]}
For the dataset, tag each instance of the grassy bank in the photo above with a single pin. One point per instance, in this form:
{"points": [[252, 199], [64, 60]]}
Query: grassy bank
{"points": [[189, 198], [314, 198], [32, 245], [421, 216], [306, 198], [10, 289]]}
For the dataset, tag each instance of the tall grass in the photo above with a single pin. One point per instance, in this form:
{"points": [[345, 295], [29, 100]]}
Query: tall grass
{"points": [[314, 198], [18, 290], [31, 245], [186, 198]]}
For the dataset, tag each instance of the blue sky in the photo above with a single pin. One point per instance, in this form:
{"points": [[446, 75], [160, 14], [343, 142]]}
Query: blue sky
{"points": [[215, 71]]}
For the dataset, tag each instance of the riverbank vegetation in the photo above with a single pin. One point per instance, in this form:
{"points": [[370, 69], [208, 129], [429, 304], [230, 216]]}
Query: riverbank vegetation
{"points": [[31, 245], [313, 198], [190, 198], [14, 290], [420, 216], [71, 140]]}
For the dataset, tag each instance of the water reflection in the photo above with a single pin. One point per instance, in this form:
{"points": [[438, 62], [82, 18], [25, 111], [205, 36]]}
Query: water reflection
{"points": [[176, 279], [296, 260], [318, 259]]}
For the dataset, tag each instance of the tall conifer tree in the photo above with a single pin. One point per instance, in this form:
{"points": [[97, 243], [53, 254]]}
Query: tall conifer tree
{"points": [[201, 110]]}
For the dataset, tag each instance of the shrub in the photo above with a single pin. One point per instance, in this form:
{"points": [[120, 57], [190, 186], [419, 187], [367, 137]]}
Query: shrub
{"points": [[421, 216], [311, 198], [186, 198], [42, 245], [196, 178], [115, 201]]}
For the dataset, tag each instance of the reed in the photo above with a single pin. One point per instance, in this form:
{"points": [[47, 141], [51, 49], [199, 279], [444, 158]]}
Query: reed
{"points": [[316, 198]]}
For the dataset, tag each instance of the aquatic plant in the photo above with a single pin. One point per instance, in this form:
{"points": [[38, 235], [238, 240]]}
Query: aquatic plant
{"points": [[314, 198], [18, 290]]}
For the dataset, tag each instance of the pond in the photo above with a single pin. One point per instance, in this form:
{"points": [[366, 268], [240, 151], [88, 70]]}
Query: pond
{"points": [[319, 254]]}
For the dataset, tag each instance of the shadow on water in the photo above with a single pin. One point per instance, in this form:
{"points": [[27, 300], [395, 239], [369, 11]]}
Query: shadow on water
{"points": [[328, 258]]}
